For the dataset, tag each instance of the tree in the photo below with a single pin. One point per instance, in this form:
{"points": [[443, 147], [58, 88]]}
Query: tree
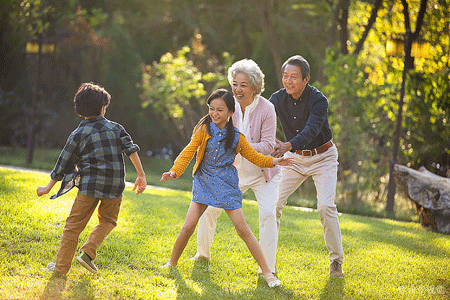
{"points": [[266, 14], [373, 16], [176, 87], [34, 18], [410, 37], [362, 89]]}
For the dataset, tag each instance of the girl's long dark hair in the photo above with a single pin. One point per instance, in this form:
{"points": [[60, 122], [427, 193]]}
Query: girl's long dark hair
{"points": [[229, 101]]}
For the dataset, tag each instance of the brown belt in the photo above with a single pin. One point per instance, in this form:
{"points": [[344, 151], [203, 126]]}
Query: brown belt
{"points": [[317, 150]]}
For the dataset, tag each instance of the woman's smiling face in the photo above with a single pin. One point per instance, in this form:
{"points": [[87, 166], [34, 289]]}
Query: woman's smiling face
{"points": [[242, 89], [219, 112]]}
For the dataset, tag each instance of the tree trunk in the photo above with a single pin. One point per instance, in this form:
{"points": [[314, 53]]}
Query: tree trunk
{"points": [[331, 35], [271, 36], [334, 21], [430, 193], [32, 119], [247, 43], [408, 64], [343, 30]]}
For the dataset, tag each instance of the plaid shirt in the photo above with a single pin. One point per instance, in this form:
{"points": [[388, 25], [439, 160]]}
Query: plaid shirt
{"points": [[92, 159]]}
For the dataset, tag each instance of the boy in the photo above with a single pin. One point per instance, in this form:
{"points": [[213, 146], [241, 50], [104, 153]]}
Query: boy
{"points": [[92, 160]]}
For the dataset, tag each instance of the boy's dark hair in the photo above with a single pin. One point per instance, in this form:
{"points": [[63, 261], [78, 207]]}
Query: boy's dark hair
{"points": [[229, 102], [300, 62], [89, 100]]}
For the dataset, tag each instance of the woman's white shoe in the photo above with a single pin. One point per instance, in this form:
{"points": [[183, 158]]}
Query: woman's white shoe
{"points": [[272, 281]]}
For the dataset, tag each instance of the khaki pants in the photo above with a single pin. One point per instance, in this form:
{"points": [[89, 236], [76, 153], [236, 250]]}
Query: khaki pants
{"points": [[266, 195], [323, 170], [80, 214]]}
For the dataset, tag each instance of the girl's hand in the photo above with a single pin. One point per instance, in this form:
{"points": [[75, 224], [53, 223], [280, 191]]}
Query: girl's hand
{"points": [[283, 161], [167, 175]]}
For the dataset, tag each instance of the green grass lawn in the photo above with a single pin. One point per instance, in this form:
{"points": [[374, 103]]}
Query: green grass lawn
{"points": [[385, 259]]}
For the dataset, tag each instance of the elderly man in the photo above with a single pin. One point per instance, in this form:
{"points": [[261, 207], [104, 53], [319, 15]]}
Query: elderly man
{"points": [[303, 112]]}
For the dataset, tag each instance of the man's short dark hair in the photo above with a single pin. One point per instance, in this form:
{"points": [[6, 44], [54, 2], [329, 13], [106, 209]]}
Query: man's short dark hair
{"points": [[89, 100], [298, 61]]}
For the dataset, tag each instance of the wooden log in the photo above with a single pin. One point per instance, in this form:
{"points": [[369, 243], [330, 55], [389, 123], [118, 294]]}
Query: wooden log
{"points": [[430, 193]]}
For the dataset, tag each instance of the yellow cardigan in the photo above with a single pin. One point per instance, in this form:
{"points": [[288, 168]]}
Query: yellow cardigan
{"points": [[198, 144]]}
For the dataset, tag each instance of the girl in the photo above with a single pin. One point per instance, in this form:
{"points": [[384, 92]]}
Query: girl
{"points": [[216, 182]]}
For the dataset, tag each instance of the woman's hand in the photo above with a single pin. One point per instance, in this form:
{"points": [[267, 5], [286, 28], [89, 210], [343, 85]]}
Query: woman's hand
{"points": [[283, 161], [167, 175]]}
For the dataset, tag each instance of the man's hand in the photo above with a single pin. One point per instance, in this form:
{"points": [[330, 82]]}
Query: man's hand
{"points": [[281, 148], [140, 184]]}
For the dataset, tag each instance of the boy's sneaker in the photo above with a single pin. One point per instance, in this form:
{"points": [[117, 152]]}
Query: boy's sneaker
{"points": [[51, 267], [87, 262]]}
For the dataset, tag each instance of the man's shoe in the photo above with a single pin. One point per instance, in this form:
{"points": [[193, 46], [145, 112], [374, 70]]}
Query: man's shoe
{"points": [[336, 269], [87, 262]]}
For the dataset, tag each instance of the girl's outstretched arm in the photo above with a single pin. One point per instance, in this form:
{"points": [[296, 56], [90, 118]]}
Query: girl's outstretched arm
{"points": [[283, 161], [259, 159], [167, 175]]}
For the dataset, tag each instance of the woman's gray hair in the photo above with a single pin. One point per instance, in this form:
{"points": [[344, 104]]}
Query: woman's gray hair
{"points": [[251, 68]]}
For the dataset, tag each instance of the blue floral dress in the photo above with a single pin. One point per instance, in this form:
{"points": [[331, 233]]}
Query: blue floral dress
{"points": [[216, 181]]}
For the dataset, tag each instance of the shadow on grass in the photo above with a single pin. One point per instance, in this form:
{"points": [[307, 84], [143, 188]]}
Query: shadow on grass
{"points": [[279, 292], [183, 291], [369, 230], [397, 234], [54, 288], [334, 289], [200, 274], [83, 288], [80, 289]]}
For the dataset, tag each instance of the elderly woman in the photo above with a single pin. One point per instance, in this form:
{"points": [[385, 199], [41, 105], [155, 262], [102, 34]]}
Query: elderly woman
{"points": [[255, 117]]}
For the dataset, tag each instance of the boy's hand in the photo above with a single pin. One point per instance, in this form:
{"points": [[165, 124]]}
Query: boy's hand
{"points": [[167, 175], [140, 184], [42, 190], [45, 189]]}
